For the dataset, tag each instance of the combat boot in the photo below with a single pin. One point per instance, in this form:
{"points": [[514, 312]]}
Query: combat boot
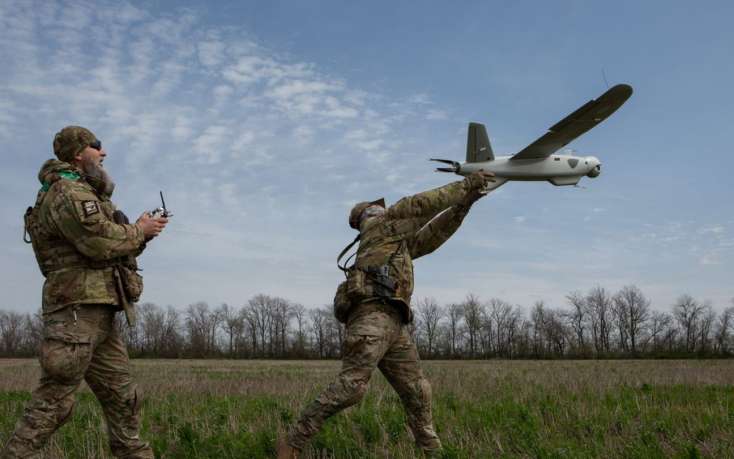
{"points": [[286, 451]]}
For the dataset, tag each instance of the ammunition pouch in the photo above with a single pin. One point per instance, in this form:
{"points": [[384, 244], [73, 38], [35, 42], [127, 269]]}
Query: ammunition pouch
{"points": [[382, 284], [361, 284], [132, 283], [342, 303], [357, 286], [120, 218]]}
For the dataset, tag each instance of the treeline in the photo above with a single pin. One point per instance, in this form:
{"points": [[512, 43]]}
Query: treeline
{"points": [[595, 324]]}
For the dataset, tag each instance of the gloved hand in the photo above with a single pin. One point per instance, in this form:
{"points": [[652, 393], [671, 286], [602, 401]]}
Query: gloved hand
{"points": [[477, 182]]}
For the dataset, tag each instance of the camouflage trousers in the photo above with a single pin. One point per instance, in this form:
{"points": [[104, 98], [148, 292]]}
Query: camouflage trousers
{"points": [[375, 337], [81, 343]]}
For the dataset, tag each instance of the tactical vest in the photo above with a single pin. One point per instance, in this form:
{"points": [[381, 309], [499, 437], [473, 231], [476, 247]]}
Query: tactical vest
{"points": [[72, 277], [383, 265], [54, 252]]}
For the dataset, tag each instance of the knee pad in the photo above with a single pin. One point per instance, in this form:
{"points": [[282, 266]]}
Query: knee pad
{"points": [[354, 391]]}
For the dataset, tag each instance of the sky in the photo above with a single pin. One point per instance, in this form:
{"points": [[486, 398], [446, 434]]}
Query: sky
{"points": [[264, 122]]}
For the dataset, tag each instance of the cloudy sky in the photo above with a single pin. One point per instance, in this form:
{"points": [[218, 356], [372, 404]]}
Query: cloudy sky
{"points": [[263, 122]]}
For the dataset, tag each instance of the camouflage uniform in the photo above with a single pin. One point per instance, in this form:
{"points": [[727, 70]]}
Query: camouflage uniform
{"points": [[377, 329], [81, 252]]}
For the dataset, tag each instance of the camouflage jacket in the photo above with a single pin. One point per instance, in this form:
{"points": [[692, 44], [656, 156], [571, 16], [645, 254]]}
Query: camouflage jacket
{"points": [[76, 242], [414, 226]]}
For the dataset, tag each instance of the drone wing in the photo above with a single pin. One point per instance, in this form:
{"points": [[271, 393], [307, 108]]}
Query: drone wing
{"points": [[586, 117]]}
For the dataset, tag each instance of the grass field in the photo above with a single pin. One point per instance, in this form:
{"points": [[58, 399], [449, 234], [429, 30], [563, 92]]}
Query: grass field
{"points": [[549, 409]]}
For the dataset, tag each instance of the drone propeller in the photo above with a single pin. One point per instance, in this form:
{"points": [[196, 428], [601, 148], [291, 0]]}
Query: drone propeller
{"points": [[455, 165]]}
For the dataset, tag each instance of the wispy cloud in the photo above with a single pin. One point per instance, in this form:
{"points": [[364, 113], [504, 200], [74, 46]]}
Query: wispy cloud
{"points": [[262, 149], [231, 129]]}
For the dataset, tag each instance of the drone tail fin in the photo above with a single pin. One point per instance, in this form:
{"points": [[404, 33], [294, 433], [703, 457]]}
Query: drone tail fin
{"points": [[478, 148]]}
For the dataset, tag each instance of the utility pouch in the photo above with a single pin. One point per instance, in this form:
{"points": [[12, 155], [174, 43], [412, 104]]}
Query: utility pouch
{"points": [[120, 218], [132, 283], [358, 286], [342, 303]]}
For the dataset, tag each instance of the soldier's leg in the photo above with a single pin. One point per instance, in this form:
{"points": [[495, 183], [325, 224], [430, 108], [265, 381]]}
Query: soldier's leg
{"points": [[367, 338], [401, 367], [65, 354], [109, 378]]}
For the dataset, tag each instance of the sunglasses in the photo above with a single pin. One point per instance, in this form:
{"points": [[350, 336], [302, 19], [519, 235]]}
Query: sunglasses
{"points": [[97, 145]]}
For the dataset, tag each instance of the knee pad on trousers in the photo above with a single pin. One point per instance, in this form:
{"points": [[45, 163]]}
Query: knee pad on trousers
{"points": [[354, 391]]}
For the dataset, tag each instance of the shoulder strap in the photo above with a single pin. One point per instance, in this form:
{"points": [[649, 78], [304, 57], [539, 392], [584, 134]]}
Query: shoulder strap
{"points": [[343, 252], [26, 234]]}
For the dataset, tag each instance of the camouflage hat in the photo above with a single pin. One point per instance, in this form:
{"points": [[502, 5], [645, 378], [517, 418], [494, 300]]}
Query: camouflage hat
{"points": [[69, 141], [359, 208]]}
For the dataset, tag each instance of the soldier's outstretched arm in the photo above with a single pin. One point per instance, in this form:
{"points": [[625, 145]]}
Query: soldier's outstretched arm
{"points": [[443, 226], [78, 215], [437, 231], [426, 205]]}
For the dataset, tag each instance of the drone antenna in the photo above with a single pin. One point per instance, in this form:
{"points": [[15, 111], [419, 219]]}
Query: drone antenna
{"points": [[163, 202], [604, 75]]}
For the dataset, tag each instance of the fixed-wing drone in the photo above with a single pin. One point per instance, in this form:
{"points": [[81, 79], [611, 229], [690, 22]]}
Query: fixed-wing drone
{"points": [[537, 161]]}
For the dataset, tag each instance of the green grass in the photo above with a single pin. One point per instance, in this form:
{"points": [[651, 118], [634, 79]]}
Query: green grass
{"points": [[481, 409]]}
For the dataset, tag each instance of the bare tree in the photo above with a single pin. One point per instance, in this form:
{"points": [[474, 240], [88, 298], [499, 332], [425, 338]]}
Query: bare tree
{"points": [[632, 310], [261, 317], [319, 327], [11, 330], [150, 319], [537, 319], [576, 319], [202, 325], [454, 314], [299, 314], [661, 331], [334, 334], [233, 325], [473, 312], [33, 332], [705, 329], [723, 331], [281, 311], [171, 337], [251, 329], [429, 316], [599, 310], [503, 317], [687, 313]]}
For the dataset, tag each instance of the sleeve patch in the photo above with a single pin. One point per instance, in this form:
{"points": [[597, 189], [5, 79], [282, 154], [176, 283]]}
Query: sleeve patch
{"points": [[90, 208]]}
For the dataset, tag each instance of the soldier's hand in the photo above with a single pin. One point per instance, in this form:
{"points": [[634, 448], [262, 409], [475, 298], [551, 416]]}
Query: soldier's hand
{"points": [[151, 227], [479, 179], [478, 183]]}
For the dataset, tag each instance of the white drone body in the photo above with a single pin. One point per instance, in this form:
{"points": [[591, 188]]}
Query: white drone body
{"points": [[537, 161]]}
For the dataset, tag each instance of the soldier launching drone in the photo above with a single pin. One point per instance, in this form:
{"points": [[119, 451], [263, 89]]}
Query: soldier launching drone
{"points": [[374, 303]]}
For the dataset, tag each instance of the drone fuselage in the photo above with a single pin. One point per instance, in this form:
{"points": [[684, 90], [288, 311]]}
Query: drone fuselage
{"points": [[557, 169], [539, 161]]}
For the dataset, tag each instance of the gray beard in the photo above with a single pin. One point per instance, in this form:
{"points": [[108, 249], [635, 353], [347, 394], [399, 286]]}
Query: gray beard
{"points": [[100, 176]]}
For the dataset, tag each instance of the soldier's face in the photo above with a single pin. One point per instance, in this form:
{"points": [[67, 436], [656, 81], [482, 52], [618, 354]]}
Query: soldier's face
{"points": [[91, 157], [371, 211], [90, 161]]}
